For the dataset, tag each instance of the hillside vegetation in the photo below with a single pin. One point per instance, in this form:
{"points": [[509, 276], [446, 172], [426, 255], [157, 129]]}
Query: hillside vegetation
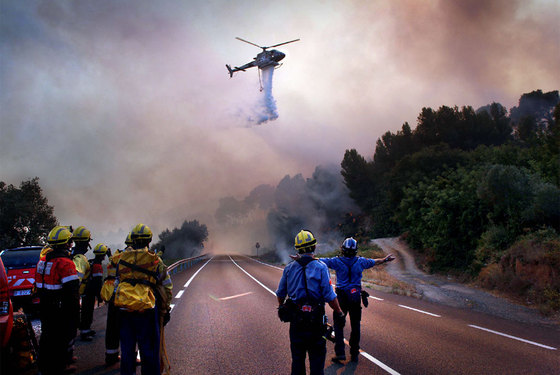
{"points": [[475, 192]]}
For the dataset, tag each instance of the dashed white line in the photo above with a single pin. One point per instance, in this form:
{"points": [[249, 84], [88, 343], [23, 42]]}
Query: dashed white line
{"points": [[180, 293], [420, 311], [376, 298], [171, 307], [513, 337]]}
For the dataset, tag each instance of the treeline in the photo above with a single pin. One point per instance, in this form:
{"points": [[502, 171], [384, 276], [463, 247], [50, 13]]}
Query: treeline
{"points": [[464, 185], [26, 218]]}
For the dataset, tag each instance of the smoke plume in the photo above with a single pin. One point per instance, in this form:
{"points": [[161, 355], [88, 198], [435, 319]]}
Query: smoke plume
{"points": [[273, 216]]}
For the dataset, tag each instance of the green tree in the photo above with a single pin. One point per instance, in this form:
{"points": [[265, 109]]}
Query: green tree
{"points": [[185, 242], [25, 215], [444, 217]]}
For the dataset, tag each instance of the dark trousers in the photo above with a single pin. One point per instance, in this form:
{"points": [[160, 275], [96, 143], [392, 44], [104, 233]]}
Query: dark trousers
{"points": [[306, 338], [112, 330], [354, 309], [140, 328], [54, 341], [86, 316]]}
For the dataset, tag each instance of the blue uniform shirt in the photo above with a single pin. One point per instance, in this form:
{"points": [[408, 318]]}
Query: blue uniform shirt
{"points": [[318, 282], [340, 265]]}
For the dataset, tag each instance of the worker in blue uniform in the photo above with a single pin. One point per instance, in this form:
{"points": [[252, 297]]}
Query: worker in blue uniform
{"points": [[306, 283], [349, 268]]}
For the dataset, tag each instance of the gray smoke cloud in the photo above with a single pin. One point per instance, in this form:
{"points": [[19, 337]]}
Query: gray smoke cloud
{"points": [[318, 203]]}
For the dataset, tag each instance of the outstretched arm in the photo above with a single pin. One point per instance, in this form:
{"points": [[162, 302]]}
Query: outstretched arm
{"points": [[388, 258]]}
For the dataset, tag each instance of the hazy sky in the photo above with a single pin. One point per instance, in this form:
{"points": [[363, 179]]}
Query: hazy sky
{"points": [[125, 111]]}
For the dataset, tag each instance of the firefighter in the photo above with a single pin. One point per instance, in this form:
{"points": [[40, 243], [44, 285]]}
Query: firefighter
{"points": [[92, 289], [81, 238], [57, 285], [143, 293], [107, 292], [349, 270], [307, 283]]}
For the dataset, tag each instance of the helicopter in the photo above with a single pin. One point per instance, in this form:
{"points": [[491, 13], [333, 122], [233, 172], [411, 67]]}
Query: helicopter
{"points": [[263, 60]]}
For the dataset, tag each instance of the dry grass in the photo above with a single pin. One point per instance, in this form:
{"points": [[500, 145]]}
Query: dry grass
{"points": [[527, 273]]}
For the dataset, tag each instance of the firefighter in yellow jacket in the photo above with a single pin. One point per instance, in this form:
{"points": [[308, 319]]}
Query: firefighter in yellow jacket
{"points": [[143, 294], [107, 291]]}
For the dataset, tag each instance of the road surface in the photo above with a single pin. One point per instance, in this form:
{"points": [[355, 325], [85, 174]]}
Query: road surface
{"points": [[224, 322]]}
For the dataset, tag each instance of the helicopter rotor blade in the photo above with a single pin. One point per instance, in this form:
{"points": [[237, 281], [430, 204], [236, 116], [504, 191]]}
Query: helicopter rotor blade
{"points": [[246, 41], [281, 44]]}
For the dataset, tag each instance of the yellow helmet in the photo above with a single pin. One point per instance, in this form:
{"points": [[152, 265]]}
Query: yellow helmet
{"points": [[100, 249], [128, 240], [141, 232], [81, 234], [59, 235], [304, 240]]}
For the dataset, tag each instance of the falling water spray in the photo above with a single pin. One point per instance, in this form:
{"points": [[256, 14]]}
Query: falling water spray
{"points": [[266, 109]]}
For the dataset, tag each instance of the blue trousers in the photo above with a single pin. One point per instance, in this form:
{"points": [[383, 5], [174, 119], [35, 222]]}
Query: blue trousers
{"points": [[140, 328], [307, 338]]}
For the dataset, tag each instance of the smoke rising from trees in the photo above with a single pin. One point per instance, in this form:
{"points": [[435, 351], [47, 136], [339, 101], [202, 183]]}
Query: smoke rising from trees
{"points": [[274, 215]]}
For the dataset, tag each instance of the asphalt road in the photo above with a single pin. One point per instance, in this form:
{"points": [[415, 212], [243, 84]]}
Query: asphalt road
{"points": [[224, 322]]}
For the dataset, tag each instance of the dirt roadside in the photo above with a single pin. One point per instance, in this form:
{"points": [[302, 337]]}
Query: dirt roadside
{"points": [[443, 290]]}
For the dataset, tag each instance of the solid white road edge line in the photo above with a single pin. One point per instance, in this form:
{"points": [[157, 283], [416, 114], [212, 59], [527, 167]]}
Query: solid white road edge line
{"points": [[196, 273], [420, 311], [266, 264], [180, 293], [368, 356], [258, 282], [513, 337]]}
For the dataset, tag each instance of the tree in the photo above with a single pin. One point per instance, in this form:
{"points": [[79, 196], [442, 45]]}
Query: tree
{"points": [[184, 242], [25, 215]]}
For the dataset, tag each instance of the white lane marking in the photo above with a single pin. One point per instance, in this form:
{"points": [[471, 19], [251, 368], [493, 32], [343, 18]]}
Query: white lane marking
{"points": [[171, 307], [236, 296], [368, 356], [512, 337], [266, 264], [376, 361], [180, 293], [377, 298], [196, 273], [258, 282], [420, 311]]}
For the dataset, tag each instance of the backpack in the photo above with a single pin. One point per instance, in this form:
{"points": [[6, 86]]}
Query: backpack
{"points": [[136, 280]]}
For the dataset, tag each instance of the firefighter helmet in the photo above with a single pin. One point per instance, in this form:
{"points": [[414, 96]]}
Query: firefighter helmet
{"points": [[141, 232], [100, 249], [128, 240], [81, 234], [305, 242], [59, 235], [349, 247]]}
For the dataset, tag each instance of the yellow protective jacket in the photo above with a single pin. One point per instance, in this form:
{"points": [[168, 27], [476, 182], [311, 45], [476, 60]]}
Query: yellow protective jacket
{"points": [[108, 288], [82, 266], [83, 270], [142, 281]]}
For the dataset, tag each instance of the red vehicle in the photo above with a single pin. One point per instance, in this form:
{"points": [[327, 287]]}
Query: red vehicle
{"points": [[20, 264], [6, 309]]}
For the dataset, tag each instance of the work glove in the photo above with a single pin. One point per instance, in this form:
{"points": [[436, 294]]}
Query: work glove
{"points": [[365, 296], [166, 318], [339, 319]]}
